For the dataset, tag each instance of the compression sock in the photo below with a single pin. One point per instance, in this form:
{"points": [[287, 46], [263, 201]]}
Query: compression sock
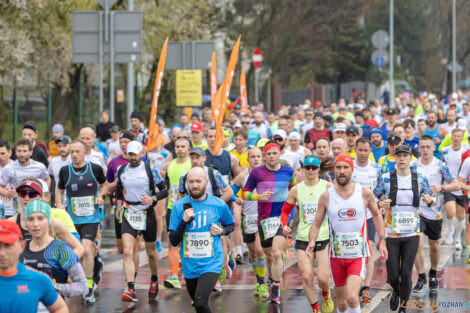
{"points": [[173, 260], [324, 294], [89, 282], [254, 265], [261, 268], [460, 225], [315, 307], [450, 224], [239, 250], [130, 285], [154, 278], [276, 284]]}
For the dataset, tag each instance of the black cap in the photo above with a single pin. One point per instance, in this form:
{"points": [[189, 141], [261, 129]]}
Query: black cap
{"points": [[404, 148], [197, 151], [318, 114], [393, 139], [115, 128], [328, 118], [128, 135], [352, 129], [65, 139], [391, 111]]}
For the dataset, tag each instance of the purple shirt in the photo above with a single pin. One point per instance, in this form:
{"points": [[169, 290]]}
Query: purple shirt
{"points": [[113, 166]]}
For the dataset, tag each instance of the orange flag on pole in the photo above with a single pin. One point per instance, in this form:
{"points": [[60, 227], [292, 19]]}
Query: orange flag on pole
{"points": [[243, 96], [222, 96], [213, 85], [154, 138]]}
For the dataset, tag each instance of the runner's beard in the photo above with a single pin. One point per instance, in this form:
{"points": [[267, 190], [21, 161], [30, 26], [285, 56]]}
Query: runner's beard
{"points": [[197, 195], [343, 180]]}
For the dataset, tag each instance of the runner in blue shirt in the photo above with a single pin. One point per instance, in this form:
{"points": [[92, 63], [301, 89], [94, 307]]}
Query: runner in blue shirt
{"points": [[22, 288], [195, 221]]}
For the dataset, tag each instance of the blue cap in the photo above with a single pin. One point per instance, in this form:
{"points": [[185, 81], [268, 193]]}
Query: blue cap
{"points": [[311, 160], [374, 130]]}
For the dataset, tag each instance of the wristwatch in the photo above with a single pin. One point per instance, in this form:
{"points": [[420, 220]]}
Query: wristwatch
{"points": [[443, 188]]}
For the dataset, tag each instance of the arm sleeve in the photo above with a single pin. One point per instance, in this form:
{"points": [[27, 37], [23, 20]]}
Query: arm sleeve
{"points": [[78, 286], [219, 180], [176, 236], [119, 188], [228, 228], [286, 209], [425, 188], [446, 174], [182, 187], [235, 189], [110, 173], [226, 218], [163, 193], [379, 189]]}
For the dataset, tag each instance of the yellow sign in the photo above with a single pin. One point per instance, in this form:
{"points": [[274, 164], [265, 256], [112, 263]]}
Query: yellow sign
{"points": [[188, 88]]}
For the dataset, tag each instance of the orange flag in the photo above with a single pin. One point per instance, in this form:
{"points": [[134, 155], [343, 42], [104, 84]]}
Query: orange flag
{"points": [[243, 96], [222, 96], [213, 85], [155, 139]]}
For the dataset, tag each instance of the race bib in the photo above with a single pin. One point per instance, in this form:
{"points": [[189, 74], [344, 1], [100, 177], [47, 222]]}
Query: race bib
{"points": [[83, 206], [42, 308], [8, 204], [270, 226], [174, 192], [137, 219], [405, 222], [198, 245], [310, 210], [250, 223], [348, 245]]}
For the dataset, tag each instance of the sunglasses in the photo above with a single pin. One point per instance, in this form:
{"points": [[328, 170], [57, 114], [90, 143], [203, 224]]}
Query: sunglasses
{"points": [[310, 167], [28, 193], [245, 123], [278, 139], [182, 137]]}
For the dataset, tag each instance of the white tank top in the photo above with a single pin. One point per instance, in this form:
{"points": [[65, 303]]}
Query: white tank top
{"points": [[348, 225]]}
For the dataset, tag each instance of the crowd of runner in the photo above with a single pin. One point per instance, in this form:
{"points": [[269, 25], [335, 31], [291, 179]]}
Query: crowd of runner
{"points": [[351, 183]]}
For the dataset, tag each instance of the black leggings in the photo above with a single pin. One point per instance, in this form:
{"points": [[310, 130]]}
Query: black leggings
{"points": [[200, 289], [401, 258]]}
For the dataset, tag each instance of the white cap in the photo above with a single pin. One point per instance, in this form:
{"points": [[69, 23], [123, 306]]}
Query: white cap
{"points": [[294, 136], [281, 133], [340, 127], [462, 124], [454, 96], [134, 147], [44, 187], [237, 124], [305, 106]]}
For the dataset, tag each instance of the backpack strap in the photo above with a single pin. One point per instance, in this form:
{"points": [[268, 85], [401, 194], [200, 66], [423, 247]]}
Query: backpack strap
{"points": [[215, 189], [119, 187], [415, 188], [393, 188]]}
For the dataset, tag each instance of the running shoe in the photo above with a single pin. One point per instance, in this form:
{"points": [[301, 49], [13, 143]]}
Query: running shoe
{"points": [[223, 274], [129, 296], [365, 295], [256, 291], [263, 292], [158, 246], [402, 310], [231, 263], [275, 296], [328, 306], [97, 269], [394, 300], [90, 296], [468, 260], [450, 237], [218, 287], [172, 282], [420, 285], [239, 260], [228, 270], [433, 283], [153, 291]]}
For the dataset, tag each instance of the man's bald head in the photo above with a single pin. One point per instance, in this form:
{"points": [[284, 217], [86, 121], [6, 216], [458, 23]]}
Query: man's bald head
{"points": [[87, 135], [197, 182], [338, 146]]}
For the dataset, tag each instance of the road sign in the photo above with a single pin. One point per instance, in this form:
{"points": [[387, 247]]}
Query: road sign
{"points": [[458, 67], [126, 32], [189, 55], [103, 3], [380, 39], [188, 88], [257, 58], [379, 57]]}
